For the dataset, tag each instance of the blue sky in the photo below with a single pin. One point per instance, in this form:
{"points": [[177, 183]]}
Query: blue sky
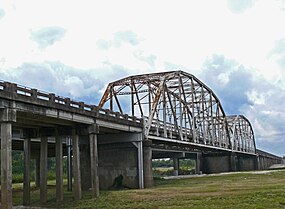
{"points": [[75, 48]]}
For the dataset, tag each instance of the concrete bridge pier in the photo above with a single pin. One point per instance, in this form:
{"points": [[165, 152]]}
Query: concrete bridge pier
{"points": [[76, 165], [175, 166], [59, 166], [147, 164], [257, 163], [198, 163], [27, 170], [246, 163], [217, 162], [7, 117], [233, 161], [93, 132], [43, 169], [85, 161], [126, 158]]}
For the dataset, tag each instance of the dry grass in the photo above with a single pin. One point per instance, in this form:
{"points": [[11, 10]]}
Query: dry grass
{"points": [[242, 190]]}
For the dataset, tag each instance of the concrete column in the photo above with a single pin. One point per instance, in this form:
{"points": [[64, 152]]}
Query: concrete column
{"points": [[7, 116], [140, 164], [59, 167], [27, 172], [233, 161], [198, 163], [139, 146], [76, 165], [43, 170], [147, 164], [93, 130], [6, 165], [261, 160], [69, 164], [175, 166], [257, 163], [85, 162]]}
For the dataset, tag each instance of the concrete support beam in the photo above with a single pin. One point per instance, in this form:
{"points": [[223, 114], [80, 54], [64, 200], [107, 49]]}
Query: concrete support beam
{"points": [[76, 165], [43, 170], [93, 130], [147, 164], [7, 116], [27, 172], [175, 166], [6, 165], [59, 167]]}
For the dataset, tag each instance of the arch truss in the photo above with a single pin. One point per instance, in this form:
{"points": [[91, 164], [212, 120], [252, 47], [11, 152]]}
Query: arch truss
{"points": [[174, 105], [241, 133]]}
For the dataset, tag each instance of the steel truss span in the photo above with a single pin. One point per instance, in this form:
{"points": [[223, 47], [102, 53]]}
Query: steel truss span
{"points": [[177, 105]]}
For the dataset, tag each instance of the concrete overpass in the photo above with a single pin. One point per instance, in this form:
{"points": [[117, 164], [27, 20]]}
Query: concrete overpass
{"points": [[171, 115]]}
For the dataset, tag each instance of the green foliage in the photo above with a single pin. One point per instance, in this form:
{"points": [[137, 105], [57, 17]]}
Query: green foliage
{"points": [[17, 162], [164, 167], [162, 163], [169, 163], [18, 167]]}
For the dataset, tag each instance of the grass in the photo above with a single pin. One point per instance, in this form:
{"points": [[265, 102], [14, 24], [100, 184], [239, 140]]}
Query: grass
{"points": [[240, 190]]}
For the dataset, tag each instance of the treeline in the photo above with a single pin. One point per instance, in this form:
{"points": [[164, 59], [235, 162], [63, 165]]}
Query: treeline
{"points": [[18, 167], [166, 163]]}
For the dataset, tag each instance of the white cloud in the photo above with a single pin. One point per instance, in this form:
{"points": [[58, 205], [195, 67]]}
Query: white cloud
{"points": [[2, 13], [240, 6], [47, 36]]}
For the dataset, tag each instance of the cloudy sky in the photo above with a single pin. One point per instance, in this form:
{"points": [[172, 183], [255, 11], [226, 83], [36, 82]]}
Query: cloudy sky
{"points": [[75, 48]]}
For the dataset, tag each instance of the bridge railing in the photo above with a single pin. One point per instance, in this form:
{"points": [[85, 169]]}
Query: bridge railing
{"points": [[171, 131], [25, 94]]}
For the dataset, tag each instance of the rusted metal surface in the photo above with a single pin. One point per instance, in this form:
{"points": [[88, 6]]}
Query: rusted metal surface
{"points": [[177, 105]]}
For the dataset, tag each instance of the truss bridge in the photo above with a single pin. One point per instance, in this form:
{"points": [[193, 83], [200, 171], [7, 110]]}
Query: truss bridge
{"points": [[178, 107], [139, 119]]}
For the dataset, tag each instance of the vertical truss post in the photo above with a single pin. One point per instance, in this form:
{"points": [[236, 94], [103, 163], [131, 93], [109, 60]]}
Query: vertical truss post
{"points": [[164, 115], [203, 115], [154, 107]]}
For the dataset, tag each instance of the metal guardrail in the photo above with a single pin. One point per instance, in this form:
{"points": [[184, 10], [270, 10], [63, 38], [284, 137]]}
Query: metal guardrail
{"points": [[35, 96], [159, 127]]}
